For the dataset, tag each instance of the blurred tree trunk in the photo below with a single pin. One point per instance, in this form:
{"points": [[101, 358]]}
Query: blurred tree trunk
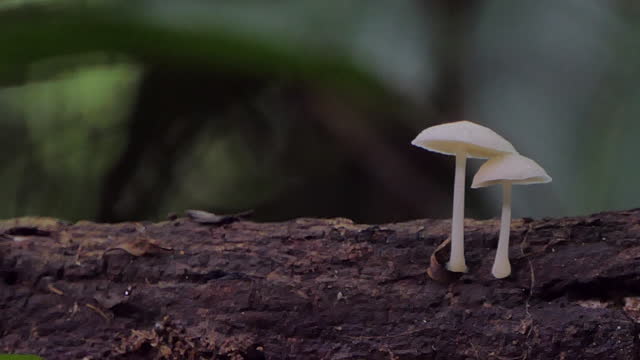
{"points": [[172, 108], [456, 22]]}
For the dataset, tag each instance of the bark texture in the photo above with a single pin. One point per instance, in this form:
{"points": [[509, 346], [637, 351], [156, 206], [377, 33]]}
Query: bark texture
{"points": [[318, 289]]}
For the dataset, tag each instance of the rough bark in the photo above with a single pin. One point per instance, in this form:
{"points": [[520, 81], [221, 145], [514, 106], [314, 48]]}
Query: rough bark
{"points": [[318, 289]]}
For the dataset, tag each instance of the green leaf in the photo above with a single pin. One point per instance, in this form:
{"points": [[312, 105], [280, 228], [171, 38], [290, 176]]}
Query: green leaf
{"points": [[19, 357]]}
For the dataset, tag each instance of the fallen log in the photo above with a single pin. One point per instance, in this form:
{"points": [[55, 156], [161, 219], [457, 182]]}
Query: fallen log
{"points": [[318, 289]]}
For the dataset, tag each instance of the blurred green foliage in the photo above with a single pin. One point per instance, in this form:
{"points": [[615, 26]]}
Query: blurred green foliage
{"points": [[130, 110]]}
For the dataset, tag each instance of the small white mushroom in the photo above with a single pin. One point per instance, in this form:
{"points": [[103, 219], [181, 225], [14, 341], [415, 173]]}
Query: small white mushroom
{"points": [[462, 139], [507, 170]]}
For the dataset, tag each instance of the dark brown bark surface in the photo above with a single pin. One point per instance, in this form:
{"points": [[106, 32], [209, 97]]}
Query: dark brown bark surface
{"points": [[318, 289]]}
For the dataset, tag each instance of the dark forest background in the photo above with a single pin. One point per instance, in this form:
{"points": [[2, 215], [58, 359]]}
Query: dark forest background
{"points": [[129, 110]]}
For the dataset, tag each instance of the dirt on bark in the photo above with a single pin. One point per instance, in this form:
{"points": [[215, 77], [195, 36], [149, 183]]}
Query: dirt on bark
{"points": [[318, 289]]}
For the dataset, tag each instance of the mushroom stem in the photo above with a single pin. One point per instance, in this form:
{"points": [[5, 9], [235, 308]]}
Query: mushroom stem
{"points": [[456, 260], [501, 266]]}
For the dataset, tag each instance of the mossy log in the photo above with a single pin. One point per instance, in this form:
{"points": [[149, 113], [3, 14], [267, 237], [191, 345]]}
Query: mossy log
{"points": [[318, 289]]}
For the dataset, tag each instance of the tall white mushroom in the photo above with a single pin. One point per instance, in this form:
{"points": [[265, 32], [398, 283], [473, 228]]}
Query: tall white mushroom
{"points": [[507, 170], [462, 139]]}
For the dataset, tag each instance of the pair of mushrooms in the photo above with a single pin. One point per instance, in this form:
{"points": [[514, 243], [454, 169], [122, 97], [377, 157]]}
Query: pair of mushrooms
{"points": [[505, 166]]}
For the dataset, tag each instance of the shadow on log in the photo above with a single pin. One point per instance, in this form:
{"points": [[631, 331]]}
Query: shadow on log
{"points": [[318, 289]]}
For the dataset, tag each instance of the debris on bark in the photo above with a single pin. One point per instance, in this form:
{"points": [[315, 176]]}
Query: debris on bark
{"points": [[318, 289], [204, 217]]}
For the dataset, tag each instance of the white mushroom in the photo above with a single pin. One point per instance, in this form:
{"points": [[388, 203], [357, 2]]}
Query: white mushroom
{"points": [[462, 139], [507, 170]]}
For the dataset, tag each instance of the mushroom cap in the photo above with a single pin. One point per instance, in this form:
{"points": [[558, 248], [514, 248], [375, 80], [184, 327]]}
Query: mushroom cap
{"points": [[512, 168], [475, 140]]}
